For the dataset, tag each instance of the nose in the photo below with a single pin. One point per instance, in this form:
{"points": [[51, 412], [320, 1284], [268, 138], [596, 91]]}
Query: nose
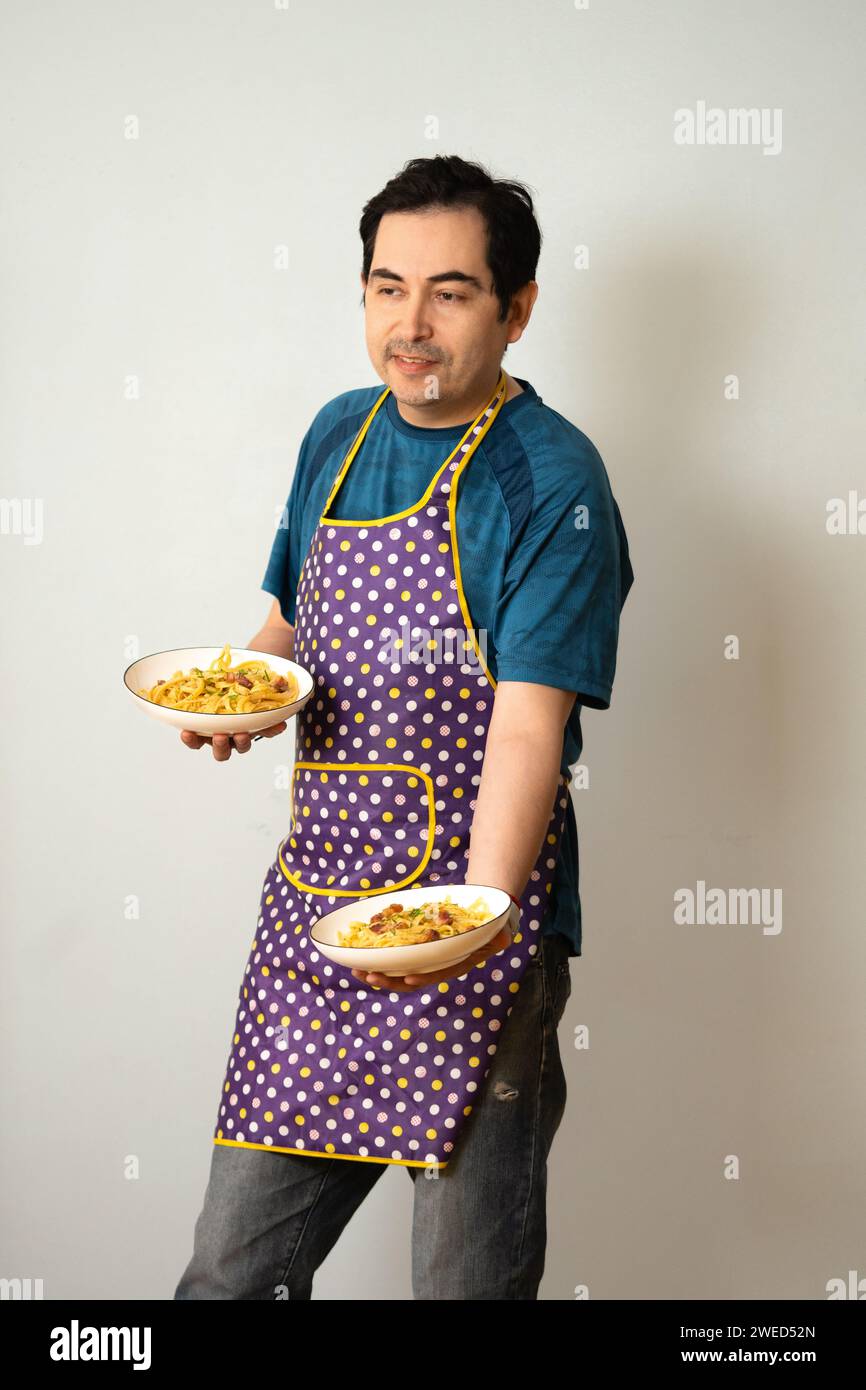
{"points": [[413, 326]]}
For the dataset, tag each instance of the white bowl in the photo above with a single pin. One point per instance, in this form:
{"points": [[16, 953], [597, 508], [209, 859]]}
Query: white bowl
{"points": [[145, 672], [423, 956]]}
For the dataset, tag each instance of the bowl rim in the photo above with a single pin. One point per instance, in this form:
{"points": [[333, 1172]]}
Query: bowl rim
{"points": [[413, 945], [218, 714]]}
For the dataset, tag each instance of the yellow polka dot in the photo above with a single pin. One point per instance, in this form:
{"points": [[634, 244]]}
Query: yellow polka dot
{"points": [[474, 1061], [430, 1133], [269, 898], [402, 1081], [251, 1066], [410, 545], [335, 642], [344, 545], [429, 692], [464, 693], [375, 569], [269, 1115], [436, 1085]]}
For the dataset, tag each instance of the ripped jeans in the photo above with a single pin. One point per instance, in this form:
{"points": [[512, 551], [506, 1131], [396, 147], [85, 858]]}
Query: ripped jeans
{"points": [[479, 1226]]}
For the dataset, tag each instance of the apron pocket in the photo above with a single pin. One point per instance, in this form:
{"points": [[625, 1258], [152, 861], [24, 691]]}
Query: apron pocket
{"points": [[358, 828]]}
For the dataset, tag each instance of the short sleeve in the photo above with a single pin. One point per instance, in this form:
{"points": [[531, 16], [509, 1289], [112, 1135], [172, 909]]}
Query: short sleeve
{"points": [[284, 564], [566, 578]]}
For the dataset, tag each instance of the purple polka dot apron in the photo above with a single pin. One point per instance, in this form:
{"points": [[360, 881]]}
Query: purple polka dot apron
{"points": [[388, 760]]}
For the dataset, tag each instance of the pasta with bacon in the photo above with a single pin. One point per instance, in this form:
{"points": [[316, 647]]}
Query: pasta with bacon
{"points": [[224, 689]]}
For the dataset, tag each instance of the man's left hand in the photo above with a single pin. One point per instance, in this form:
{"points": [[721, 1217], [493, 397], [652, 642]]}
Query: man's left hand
{"points": [[408, 984]]}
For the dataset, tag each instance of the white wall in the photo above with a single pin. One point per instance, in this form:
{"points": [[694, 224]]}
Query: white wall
{"points": [[154, 258]]}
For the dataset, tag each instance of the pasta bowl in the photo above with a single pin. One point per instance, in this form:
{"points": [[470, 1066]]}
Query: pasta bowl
{"points": [[144, 674], [418, 957]]}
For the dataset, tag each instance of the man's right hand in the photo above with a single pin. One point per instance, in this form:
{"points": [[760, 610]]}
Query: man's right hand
{"points": [[223, 744]]}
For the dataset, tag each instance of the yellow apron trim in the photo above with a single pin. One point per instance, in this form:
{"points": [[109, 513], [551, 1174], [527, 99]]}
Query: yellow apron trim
{"points": [[452, 517], [317, 1153], [409, 511], [367, 767]]}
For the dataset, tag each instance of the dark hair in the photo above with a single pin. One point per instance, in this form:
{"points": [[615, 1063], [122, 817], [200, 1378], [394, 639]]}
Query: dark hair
{"points": [[447, 181]]}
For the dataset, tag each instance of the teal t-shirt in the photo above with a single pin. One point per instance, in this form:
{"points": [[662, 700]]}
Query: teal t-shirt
{"points": [[543, 552]]}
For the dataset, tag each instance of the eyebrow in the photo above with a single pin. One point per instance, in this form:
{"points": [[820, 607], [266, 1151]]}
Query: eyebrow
{"points": [[382, 273]]}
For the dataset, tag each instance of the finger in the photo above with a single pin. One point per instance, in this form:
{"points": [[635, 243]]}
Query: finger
{"points": [[222, 747], [190, 739], [243, 743], [273, 730], [498, 943]]}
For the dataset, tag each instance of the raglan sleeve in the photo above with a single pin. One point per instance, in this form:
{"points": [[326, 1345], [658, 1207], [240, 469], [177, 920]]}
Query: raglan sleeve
{"points": [[286, 557], [566, 577]]}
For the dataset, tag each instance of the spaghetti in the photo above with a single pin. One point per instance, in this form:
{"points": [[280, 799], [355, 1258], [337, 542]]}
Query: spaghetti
{"points": [[224, 689], [399, 926]]}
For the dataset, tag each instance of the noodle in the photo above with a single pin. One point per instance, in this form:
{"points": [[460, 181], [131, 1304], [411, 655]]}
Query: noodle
{"points": [[224, 689], [399, 926]]}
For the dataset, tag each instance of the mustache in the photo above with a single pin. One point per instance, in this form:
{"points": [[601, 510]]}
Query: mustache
{"points": [[400, 352]]}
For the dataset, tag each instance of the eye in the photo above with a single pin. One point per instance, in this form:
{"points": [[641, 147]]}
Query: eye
{"points": [[450, 296]]}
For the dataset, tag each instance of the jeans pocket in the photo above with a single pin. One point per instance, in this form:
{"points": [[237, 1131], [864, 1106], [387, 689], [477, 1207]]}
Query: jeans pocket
{"points": [[561, 988]]}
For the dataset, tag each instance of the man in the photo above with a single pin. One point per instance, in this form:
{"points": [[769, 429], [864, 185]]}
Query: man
{"points": [[453, 503]]}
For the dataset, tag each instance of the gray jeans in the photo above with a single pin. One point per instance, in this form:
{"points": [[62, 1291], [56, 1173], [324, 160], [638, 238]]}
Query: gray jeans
{"points": [[479, 1225]]}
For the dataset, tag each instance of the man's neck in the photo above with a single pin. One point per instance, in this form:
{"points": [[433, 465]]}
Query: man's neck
{"points": [[512, 389]]}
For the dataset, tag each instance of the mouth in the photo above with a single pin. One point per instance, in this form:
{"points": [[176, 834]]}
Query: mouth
{"points": [[412, 364]]}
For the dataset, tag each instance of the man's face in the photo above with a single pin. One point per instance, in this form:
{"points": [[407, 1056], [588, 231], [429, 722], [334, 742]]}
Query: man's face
{"points": [[430, 295]]}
